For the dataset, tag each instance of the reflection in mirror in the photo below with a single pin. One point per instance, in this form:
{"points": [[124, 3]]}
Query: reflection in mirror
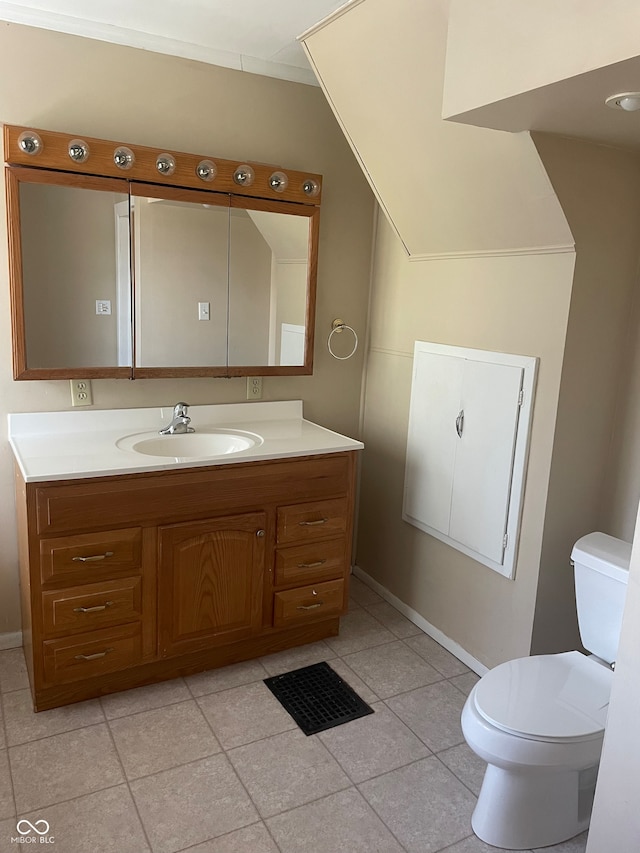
{"points": [[181, 287], [75, 276], [268, 277]]}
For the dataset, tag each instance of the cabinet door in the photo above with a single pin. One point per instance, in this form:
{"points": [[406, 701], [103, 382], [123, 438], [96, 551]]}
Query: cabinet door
{"points": [[484, 457], [432, 441], [211, 578]]}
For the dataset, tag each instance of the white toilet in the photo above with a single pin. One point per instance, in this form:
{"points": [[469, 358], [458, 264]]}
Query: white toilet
{"points": [[539, 721]]}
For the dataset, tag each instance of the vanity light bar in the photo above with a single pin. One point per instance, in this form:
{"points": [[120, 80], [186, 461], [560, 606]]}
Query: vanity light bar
{"points": [[48, 149]]}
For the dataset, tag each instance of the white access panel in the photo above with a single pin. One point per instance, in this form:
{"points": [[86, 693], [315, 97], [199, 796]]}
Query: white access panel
{"points": [[484, 458], [467, 446], [429, 476]]}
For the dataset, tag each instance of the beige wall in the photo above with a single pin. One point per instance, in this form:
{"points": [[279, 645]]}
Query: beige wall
{"points": [[97, 89], [599, 189], [511, 304]]}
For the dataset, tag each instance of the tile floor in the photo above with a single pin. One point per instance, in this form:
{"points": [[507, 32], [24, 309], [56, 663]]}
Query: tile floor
{"points": [[213, 764]]}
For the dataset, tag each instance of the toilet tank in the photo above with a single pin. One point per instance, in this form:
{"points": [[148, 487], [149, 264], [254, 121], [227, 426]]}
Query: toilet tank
{"points": [[601, 570]]}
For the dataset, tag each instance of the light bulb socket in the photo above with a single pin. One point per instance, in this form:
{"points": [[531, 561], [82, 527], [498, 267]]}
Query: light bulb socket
{"points": [[311, 187], [244, 175], [78, 150], [123, 157], [278, 182], [166, 164], [206, 170], [29, 142]]}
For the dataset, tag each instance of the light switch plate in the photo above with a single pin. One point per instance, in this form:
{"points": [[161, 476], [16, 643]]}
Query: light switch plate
{"points": [[81, 392]]}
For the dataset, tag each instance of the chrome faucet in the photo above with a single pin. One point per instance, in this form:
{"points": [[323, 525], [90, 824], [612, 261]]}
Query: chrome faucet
{"points": [[180, 422]]}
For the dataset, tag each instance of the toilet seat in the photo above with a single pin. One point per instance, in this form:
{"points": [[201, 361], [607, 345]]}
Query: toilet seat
{"points": [[554, 698]]}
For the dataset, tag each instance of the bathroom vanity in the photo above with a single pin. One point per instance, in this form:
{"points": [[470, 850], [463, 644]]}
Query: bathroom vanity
{"points": [[137, 567]]}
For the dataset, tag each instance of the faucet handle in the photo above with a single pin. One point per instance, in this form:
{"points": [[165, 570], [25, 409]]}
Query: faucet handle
{"points": [[180, 410]]}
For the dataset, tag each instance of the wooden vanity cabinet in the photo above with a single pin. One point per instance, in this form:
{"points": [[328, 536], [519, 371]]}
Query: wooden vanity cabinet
{"points": [[127, 580]]}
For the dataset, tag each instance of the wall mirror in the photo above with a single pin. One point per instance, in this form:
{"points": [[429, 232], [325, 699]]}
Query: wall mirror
{"points": [[115, 277]]}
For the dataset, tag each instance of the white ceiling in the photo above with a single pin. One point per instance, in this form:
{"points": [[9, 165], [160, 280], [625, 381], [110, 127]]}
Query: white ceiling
{"points": [[258, 36]]}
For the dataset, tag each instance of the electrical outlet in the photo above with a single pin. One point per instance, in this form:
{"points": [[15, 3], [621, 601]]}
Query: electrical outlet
{"points": [[81, 392], [254, 387]]}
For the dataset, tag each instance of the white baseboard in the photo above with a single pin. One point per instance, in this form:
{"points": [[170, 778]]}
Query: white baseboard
{"points": [[11, 641], [413, 616]]}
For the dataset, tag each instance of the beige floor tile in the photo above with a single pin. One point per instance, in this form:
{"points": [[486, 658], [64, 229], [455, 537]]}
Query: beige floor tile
{"points": [[191, 804], [437, 656], [23, 724], [466, 765], [391, 669], [63, 767], [393, 619], [297, 658], [433, 713], [340, 823], [13, 670], [474, 845], [361, 593], [287, 770], [359, 630], [215, 680], [252, 839], [347, 674], [145, 698], [3, 739], [105, 822], [373, 745], [465, 683], [7, 832], [423, 804], [163, 738], [244, 714], [573, 845], [7, 806]]}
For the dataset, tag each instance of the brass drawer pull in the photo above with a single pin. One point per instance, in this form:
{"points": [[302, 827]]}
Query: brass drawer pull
{"points": [[95, 656], [311, 565], [313, 523], [93, 609], [310, 606], [93, 559]]}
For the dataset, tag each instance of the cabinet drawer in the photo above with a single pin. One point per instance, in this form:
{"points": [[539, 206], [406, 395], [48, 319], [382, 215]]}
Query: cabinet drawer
{"points": [[311, 562], [310, 521], [87, 655], [308, 602], [90, 555], [91, 606]]}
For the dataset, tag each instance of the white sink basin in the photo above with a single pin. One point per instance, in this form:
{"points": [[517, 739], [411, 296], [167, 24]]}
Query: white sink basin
{"points": [[192, 445]]}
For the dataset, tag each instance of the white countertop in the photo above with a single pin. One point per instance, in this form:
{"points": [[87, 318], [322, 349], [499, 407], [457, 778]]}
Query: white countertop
{"points": [[75, 444]]}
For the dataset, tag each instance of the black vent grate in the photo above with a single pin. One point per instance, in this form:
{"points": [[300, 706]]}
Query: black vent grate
{"points": [[317, 698]]}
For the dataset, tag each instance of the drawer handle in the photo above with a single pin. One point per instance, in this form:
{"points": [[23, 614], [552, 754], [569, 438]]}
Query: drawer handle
{"points": [[310, 606], [93, 609], [313, 523], [95, 656], [93, 559], [311, 565]]}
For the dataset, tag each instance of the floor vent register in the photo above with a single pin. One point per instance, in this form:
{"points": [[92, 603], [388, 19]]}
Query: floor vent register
{"points": [[317, 698]]}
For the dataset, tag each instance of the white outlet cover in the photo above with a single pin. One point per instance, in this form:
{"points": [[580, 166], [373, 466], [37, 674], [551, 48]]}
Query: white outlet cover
{"points": [[103, 306]]}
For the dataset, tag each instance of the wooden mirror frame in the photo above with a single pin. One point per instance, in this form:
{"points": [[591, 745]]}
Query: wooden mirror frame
{"points": [[52, 164]]}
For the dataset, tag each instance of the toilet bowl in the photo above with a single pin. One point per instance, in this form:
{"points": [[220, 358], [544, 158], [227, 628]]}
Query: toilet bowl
{"points": [[539, 721]]}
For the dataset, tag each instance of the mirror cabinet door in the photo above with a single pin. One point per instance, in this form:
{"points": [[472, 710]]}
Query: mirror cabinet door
{"points": [[71, 290], [181, 286], [272, 252]]}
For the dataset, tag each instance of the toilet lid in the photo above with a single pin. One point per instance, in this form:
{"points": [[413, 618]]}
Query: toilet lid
{"points": [[550, 697]]}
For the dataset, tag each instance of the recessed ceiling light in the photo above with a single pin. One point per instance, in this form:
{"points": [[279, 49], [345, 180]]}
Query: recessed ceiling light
{"points": [[628, 101]]}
